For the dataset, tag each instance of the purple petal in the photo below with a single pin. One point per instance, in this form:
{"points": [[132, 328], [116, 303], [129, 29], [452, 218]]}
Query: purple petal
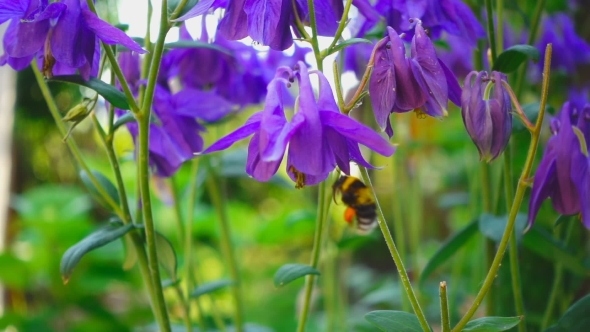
{"points": [[382, 84], [326, 100], [108, 33], [268, 22], [339, 146], [357, 156], [543, 185], [250, 127], [257, 168], [429, 73], [310, 179], [452, 83], [205, 105], [23, 39], [69, 44], [357, 132], [580, 175], [201, 8], [12, 9], [234, 25]]}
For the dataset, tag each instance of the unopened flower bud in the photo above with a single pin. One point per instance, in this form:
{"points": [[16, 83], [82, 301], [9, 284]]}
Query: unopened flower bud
{"points": [[76, 115]]}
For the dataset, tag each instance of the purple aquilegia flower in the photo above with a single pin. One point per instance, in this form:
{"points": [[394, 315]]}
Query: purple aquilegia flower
{"points": [[174, 131], [66, 33], [487, 118], [570, 50], [318, 137], [451, 16], [401, 84], [268, 22], [563, 174]]}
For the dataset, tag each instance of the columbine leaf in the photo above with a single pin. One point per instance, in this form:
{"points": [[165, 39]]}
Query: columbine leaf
{"points": [[210, 287], [448, 249], [289, 272], [491, 324], [390, 320], [509, 60], [493, 227], [109, 92], [347, 43], [166, 255], [104, 183], [575, 319], [95, 240], [125, 118]]}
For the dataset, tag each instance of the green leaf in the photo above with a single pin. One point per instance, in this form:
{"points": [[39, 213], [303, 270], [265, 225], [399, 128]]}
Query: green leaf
{"points": [[491, 324], [166, 255], [564, 219], [448, 249], [105, 183], [575, 319], [210, 287], [391, 320], [493, 227], [289, 272], [130, 254], [509, 60], [347, 43], [126, 118], [109, 92], [172, 4], [196, 44], [95, 240], [542, 243]]}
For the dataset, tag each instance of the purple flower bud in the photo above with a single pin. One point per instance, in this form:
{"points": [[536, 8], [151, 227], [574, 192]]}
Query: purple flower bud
{"points": [[486, 113]]}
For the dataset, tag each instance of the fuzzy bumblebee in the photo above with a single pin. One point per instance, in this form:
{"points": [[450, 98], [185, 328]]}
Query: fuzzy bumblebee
{"points": [[359, 201]]}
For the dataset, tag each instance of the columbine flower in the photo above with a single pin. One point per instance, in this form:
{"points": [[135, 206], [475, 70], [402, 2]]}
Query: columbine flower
{"points": [[318, 136], [268, 22], [400, 84], [67, 32], [487, 115], [563, 174], [451, 16], [559, 30]]}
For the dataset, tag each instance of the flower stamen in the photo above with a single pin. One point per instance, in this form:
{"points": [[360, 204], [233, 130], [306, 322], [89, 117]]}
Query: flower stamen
{"points": [[299, 177]]}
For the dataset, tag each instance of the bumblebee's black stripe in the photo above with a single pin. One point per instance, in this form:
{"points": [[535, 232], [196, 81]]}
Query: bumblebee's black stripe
{"points": [[366, 213], [357, 195]]}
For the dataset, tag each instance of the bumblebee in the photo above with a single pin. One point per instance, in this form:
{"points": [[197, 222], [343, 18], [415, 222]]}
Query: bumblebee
{"points": [[359, 201]]}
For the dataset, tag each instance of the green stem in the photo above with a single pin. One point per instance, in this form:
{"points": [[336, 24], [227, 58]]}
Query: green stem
{"points": [[185, 303], [520, 190], [398, 217], [315, 255], [396, 257], [341, 26], [500, 29], [532, 34], [557, 286], [314, 36], [491, 32], [489, 244], [218, 200], [150, 232], [71, 144], [444, 307], [513, 250]]}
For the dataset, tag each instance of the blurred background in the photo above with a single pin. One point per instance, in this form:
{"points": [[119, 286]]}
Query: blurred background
{"points": [[430, 191]]}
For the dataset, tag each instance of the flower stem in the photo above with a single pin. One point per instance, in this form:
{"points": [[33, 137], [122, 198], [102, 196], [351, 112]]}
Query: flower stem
{"points": [[315, 255], [489, 243], [396, 257], [557, 286], [314, 36], [444, 307], [218, 199], [520, 190], [513, 250], [500, 28], [491, 31], [341, 26], [398, 217]]}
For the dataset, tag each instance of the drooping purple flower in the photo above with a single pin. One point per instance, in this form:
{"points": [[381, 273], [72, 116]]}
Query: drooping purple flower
{"points": [[563, 174], [66, 32], [487, 119], [28, 29], [318, 137], [269, 22], [451, 16], [401, 84]]}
